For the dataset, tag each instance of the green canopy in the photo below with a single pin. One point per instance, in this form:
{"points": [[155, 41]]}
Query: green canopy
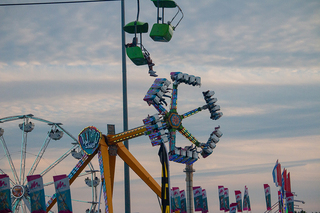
{"points": [[164, 3], [142, 27]]}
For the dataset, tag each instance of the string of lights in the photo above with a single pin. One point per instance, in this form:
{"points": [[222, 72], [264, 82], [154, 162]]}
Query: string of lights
{"points": [[52, 2]]}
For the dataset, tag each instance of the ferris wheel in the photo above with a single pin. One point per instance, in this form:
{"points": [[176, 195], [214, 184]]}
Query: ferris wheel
{"points": [[43, 162]]}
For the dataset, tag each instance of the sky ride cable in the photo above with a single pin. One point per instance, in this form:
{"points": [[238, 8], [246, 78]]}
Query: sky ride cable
{"points": [[52, 2]]}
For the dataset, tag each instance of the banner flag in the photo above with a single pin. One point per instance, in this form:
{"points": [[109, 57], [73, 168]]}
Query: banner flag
{"points": [[204, 201], [165, 179], [226, 200], [36, 192], [284, 179], [288, 182], [233, 207], [61, 184], [245, 197], [289, 202], [280, 201], [249, 205], [283, 183], [176, 205], [279, 175], [238, 200], [221, 197], [197, 196], [275, 174], [268, 196], [183, 202], [5, 194]]}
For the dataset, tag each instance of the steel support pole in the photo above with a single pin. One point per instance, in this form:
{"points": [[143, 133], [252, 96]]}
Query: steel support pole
{"points": [[189, 187], [125, 109]]}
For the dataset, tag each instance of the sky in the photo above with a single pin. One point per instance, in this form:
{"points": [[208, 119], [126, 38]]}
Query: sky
{"points": [[63, 63]]}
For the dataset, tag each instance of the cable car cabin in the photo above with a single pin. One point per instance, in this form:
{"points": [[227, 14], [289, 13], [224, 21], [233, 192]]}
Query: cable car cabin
{"points": [[163, 32], [136, 52]]}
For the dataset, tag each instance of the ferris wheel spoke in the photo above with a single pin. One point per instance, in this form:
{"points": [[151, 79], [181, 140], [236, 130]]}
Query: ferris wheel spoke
{"points": [[40, 154], [12, 118], [90, 166], [42, 120], [26, 203], [65, 131], [14, 202], [23, 208], [13, 169], [58, 160], [16, 205], [23, 155]]}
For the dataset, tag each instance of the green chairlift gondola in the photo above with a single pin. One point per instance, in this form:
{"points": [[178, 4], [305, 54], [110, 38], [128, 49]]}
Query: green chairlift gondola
{"points": [[135, 50], [163, 31]]}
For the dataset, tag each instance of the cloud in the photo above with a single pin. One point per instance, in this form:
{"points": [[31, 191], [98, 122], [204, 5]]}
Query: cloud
{"points": [[63, 63], [264, 34], [70, 34], [249, 34]]}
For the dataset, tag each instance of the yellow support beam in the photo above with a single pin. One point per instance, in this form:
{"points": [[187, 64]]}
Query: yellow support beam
{"points": [[126, 135], [108, 175], [133, 163], [112, 162]]}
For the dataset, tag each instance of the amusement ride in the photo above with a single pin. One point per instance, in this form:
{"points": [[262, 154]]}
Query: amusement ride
{"points": [[49, 132], [161, 128]]}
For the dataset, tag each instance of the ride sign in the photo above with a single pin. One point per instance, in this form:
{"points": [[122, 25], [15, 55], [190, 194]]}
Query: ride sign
{"points": [[89, 139]]}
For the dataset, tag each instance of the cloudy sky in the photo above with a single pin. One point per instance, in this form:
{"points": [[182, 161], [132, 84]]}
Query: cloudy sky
{"points": [[63, 63]]}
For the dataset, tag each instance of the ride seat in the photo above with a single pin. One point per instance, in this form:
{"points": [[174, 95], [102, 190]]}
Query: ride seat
{"points": [[161, 32], [136, 55]]}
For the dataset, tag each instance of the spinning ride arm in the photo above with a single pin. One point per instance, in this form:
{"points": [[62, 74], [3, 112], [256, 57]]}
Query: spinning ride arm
{"points": [[126, 135], [174, 97], [189, 136], [192, 112]]}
